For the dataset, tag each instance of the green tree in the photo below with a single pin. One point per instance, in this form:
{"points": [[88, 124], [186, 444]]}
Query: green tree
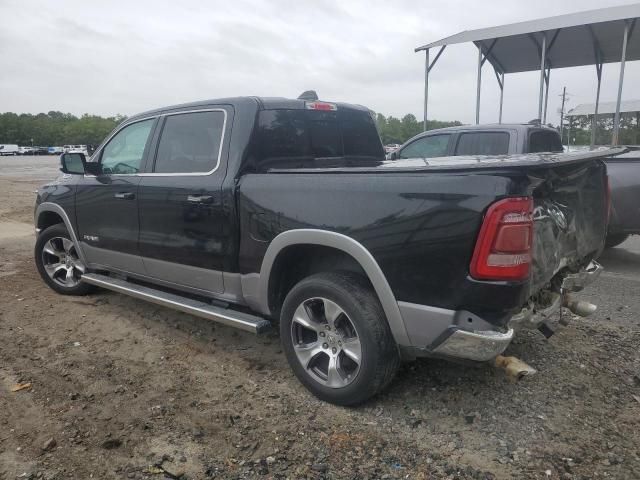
{"points": [[55, 128]]}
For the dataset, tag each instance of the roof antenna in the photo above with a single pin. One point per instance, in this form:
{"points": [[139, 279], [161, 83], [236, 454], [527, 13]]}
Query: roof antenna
{"points": [[309, 95]]}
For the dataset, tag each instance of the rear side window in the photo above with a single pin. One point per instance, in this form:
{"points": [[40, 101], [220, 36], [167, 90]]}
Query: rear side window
{"points": [[303, 138], [483, 143], [544, 141], [427, 147], [190, 143]]}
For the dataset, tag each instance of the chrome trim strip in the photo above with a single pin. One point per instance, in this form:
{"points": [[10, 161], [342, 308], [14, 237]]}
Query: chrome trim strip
{"points": [[257, 288], [195, 174], [480, 345], [160, 116], [54, 207], [243, 321]]}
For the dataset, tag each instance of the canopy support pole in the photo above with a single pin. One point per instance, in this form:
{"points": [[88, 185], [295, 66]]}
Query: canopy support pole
{"points": [[594, 124], [616, 119], [500, 78], [427, 69], [543, 58], [479, 81], [501, 96], [426, 87], [546, 94], [597, 56]]}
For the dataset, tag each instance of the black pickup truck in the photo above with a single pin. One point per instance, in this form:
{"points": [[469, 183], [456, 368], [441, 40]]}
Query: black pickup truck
{"points": [[623, 169], [259, 211]]}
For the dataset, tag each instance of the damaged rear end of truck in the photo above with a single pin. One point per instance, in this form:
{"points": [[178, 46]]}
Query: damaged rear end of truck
{"points": [[545, 239]]}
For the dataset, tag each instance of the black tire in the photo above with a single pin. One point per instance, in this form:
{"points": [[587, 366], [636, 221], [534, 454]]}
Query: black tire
{"points": [[58, 231], [379, 359], [615, 239]]}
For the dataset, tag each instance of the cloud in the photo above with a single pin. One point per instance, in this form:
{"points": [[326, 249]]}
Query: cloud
{"points": [[125, 57]]}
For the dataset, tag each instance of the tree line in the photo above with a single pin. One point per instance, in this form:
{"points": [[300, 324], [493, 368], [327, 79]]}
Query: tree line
{"points": [[55, 128], [396, 130], [579, 129]]}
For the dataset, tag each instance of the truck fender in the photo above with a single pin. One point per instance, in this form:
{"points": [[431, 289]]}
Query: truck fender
{"points": [[55, 208], [256, 287]]}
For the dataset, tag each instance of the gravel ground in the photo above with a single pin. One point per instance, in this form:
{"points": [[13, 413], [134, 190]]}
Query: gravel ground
{"points": [[124, 389]]}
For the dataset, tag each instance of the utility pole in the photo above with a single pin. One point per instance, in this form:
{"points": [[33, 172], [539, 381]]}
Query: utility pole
{"points": [[564, 99]]}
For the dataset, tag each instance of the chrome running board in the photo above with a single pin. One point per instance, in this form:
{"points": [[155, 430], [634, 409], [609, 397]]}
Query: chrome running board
{"points": [[232, 318]]}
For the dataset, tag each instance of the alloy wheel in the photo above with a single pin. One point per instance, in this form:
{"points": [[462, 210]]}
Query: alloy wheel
{"points": [[326, 342], [61, 262]]}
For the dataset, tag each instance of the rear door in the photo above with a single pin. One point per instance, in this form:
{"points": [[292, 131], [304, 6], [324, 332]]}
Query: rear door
{"points": [[107, 203], [484, 143], [185, 232]]}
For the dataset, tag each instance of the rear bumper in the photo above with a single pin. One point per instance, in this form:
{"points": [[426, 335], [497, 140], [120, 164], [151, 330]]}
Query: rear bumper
{"points": [[448, 333], [440, 332], [479, 346]]}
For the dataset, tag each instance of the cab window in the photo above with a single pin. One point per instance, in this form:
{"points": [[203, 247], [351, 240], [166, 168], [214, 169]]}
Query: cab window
{"points": [[190, 142], [427, 147], [483, 143], [124, 152]]}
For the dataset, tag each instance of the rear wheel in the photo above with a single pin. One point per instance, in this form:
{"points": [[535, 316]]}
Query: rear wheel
{"points": [[336, 338], [58, 262], [615, 239]]}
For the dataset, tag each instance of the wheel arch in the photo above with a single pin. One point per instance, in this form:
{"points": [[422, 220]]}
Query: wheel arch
{"points": [[48, 212], [339, 242]]}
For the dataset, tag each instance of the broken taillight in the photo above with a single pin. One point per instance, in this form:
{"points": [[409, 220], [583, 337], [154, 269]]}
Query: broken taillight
{"points": [[503, 247]]}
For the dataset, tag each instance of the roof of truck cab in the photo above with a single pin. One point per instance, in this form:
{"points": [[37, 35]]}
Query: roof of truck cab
{"points": [[263, 103]]}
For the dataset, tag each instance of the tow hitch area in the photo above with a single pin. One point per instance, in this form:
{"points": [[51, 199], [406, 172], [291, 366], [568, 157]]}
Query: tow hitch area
{"points": [[548, 303], [513, 367]]}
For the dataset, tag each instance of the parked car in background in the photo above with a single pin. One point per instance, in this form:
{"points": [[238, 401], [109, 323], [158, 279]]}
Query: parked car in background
{"points": [[55, 150], [624, 181], [502, 139], [41, 151], [256, 212], [391, 147], [26, 150], [76, 149], [9, 149], [498, 139]]}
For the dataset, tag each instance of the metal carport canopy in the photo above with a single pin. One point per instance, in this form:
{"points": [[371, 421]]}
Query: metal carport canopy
{"points": [[592, 37]]}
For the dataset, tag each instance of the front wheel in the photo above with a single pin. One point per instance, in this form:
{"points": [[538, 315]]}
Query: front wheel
{"points": [[58, 262], [336, 338]]}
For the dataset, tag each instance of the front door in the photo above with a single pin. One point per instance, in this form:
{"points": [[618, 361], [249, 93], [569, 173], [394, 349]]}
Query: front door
{"points": [[107, 203], [184, 228]]}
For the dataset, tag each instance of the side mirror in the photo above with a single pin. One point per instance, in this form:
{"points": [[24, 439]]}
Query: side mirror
{"points": [[73, 163], [393, 155]]}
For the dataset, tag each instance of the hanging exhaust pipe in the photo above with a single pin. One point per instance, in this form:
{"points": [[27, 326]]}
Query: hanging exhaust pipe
{"points": [[579, 307], [513, 367]]}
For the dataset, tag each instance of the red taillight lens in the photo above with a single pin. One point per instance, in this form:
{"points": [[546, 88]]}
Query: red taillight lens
{"points": [[324, 106], [503, 248]]}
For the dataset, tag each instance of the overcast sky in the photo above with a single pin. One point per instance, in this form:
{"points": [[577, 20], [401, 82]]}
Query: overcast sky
{"points": [[128, 56]]}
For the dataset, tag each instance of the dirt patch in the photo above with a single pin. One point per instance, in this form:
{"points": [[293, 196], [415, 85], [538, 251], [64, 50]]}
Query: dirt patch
{"points": [[131, 390]]}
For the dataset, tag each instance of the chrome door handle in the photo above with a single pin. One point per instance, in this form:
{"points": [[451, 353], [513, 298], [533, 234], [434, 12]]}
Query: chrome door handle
{"points": [[125, 195], [200, 198]]}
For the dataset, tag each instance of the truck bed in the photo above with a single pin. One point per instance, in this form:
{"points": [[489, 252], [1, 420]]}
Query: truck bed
{"points": [[420, 218]]}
